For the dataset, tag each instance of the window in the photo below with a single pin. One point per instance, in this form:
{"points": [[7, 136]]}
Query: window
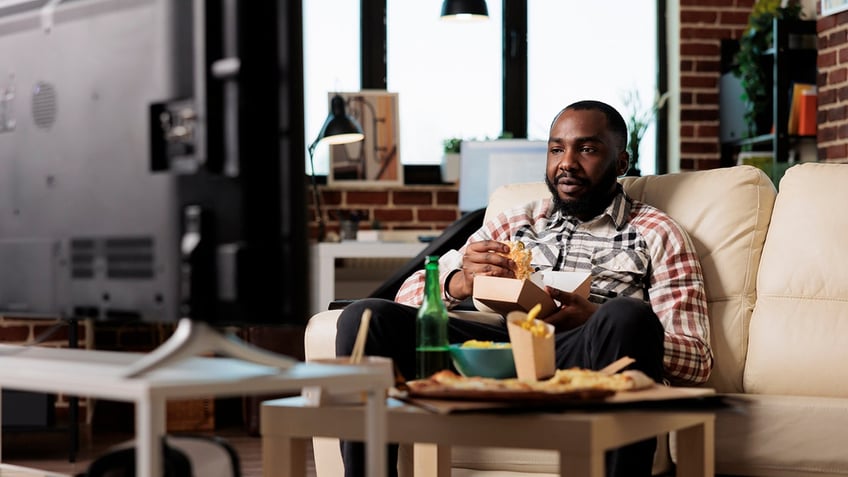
{"points": [[576, 50], [330, 64], [449, 76]]}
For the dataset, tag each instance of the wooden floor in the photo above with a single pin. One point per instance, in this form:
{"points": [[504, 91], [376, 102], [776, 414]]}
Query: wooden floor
{"points": [[48, 451]]}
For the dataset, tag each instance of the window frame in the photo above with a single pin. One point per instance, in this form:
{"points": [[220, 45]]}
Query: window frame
{"points": [[373, 36]]}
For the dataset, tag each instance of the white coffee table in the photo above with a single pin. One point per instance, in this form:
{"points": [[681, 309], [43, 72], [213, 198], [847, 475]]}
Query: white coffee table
{"points": [[102, 374], [7, 470], [581, 437]]}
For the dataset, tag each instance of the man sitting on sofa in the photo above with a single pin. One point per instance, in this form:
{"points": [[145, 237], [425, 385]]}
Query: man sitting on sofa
{"points": [[647, 296]]}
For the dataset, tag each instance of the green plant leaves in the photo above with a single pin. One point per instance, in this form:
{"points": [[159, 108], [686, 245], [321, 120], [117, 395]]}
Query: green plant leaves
{"points": [[756, 42]]}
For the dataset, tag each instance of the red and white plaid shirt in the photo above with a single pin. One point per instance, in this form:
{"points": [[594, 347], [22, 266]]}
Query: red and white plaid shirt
{"points": [[632, 249]]}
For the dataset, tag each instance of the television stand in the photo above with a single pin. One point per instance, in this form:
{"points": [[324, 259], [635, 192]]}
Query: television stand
{"points": [[195, 338]]}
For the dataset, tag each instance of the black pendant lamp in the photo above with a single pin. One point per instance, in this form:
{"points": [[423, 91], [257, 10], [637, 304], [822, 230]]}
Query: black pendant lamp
{"points": [[464, 10]]}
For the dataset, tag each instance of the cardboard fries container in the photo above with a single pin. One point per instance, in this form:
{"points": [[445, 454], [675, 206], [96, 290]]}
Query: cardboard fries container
{"points": [[533, 355], [504, 295]]}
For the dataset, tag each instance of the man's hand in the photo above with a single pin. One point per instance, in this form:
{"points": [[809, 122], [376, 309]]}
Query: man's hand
{"points": [[574, 310], [481, 258]]}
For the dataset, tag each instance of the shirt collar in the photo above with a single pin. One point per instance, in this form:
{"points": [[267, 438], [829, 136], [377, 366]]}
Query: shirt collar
{"points": [[618, 211]]}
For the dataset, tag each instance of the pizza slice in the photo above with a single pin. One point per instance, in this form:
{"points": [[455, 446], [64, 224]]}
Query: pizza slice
{"points": [[573, 383]]}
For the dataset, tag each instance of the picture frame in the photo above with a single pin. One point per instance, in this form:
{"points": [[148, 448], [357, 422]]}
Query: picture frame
{"points": [[374, 161], [829, 7]]}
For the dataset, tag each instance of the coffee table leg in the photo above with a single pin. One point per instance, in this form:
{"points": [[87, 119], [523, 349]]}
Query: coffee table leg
{"points": [[696, 449], [283, 456], [375, 434], [431, 460], [581, 465]]}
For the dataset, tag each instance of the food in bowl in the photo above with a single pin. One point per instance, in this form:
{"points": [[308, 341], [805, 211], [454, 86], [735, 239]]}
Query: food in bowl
{"points": [[485, 344], [483, 358]]}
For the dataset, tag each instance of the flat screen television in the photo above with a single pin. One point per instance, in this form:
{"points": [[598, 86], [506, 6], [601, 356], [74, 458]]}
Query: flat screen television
{"points": [[151, 164]]}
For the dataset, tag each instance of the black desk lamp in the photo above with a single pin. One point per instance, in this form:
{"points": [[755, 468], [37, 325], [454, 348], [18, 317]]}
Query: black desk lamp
{"points": [[464, 10], [339, 128]]}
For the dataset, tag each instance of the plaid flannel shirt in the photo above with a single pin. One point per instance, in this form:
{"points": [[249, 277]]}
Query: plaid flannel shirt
{"points": [[632, 249]]}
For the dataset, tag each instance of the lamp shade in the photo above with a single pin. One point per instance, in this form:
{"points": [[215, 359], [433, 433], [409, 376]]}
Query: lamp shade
{"points": [[339, 128], [464, 10]]}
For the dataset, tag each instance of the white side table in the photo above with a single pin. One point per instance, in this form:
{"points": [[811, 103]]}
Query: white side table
{"points": [[101, 374], [324, 255]]}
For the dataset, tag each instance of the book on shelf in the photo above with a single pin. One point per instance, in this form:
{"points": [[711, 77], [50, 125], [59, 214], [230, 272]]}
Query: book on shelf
{"points": [[801, 94]]}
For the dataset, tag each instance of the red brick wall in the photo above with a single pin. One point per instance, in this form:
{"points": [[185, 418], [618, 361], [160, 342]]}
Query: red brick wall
{"points": [[48, 333], [833, 87], [703, 24], [411, 207]]}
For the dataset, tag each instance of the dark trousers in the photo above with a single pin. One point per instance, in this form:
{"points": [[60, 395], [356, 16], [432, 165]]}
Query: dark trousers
{"points": [[620, 327]]}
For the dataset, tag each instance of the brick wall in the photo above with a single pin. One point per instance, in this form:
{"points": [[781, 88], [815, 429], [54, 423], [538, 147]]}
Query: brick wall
{"points": [[410, 207], [48, 333], [703, 24], [832, 87]]}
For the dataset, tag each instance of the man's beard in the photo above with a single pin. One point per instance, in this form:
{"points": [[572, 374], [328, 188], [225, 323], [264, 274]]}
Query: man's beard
{"points": [[591, 204]]}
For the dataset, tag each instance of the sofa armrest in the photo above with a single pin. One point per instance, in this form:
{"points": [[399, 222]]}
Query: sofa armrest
{"points": [[320, 336]]}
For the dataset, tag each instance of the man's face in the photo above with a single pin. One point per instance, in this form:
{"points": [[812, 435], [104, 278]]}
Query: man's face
{"points": [[584, 161]]}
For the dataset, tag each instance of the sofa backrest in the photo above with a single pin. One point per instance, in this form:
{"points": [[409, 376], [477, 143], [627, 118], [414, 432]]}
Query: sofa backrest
{"points": [[800, 324], [726, 213]]}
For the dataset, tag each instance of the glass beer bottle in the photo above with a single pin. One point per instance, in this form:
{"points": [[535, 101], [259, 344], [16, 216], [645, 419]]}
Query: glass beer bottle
{"points": [[431, 334]]}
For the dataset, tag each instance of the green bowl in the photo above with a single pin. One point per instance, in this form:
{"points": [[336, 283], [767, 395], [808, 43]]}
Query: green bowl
{"points": [[495, 362]]}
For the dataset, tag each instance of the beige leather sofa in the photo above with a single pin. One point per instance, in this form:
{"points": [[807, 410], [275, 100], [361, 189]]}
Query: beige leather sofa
{"points": [[776, 270]]}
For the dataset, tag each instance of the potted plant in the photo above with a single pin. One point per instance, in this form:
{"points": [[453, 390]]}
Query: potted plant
{"points": [[638, 119], [753, 74], [450, 159]]}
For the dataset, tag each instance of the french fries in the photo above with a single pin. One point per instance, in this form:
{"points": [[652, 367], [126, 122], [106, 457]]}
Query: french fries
{"points": [[534, 326], [484, 344]]}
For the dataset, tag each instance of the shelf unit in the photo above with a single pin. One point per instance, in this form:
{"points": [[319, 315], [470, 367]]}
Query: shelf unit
{"points": [[791, 60]]}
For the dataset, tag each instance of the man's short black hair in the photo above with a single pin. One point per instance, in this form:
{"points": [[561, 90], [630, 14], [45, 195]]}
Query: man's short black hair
{"points": [[615, 122]]}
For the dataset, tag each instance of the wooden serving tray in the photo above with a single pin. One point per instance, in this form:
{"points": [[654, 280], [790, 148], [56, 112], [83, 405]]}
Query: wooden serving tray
{"points": [[510, 396], [657, 397]]}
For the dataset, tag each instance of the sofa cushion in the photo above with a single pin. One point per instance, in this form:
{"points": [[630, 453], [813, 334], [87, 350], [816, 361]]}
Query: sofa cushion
{"points": [[798, 327], [726, 212], [782, 436]]}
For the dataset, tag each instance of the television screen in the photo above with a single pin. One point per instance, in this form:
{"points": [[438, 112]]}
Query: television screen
{"points": [[152, 160]]}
